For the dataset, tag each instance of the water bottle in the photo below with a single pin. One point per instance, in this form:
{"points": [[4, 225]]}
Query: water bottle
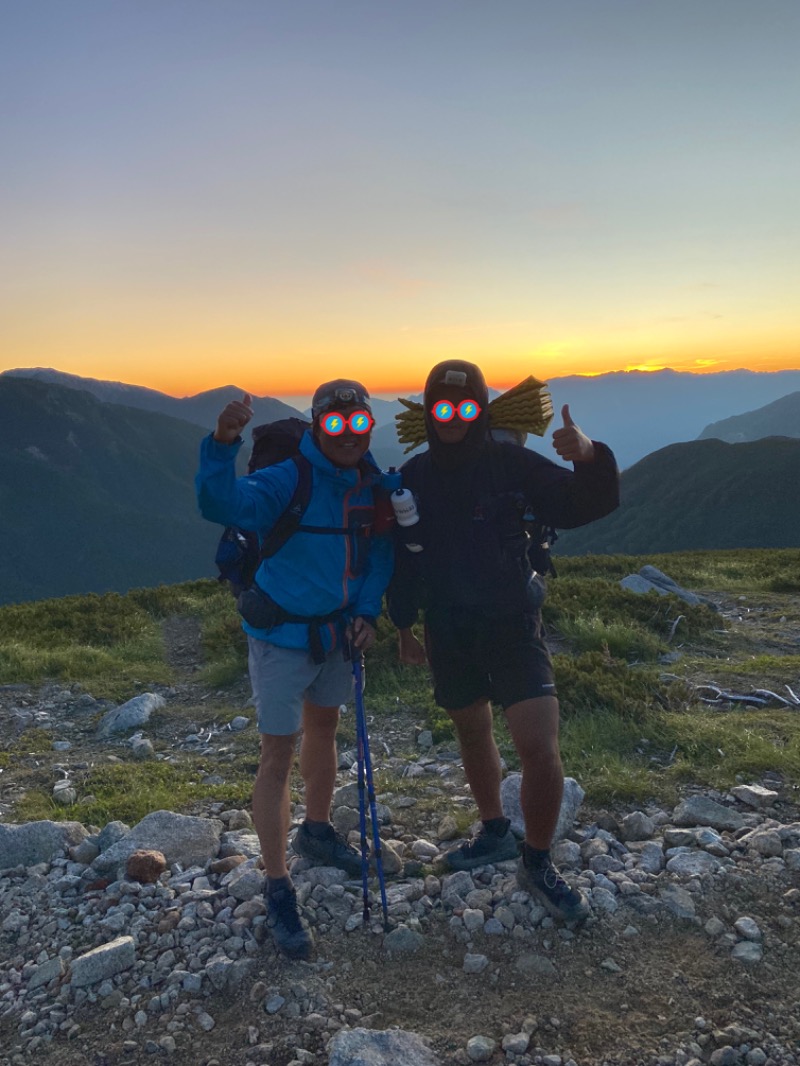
{"points": [[406, 513]]}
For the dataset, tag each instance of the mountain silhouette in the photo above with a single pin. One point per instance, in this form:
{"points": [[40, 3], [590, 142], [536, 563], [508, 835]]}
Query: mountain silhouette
{"points": [[95, 496], [201, 409], [701, 494], [778, 419], [634, 412]]}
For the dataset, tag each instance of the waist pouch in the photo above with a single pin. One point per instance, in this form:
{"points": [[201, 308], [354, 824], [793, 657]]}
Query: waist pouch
{"points": [[262, 612]]}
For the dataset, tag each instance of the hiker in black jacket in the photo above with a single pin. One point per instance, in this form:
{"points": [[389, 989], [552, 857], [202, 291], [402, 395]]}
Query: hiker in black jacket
{"points": [[481, 601]]}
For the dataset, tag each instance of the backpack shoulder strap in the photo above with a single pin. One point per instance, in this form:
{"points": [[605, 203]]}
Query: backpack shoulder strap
{"points": [[289, 522]]}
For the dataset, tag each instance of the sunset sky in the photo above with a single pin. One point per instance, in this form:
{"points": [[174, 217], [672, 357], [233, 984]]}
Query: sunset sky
{"points": [[272, 192]]}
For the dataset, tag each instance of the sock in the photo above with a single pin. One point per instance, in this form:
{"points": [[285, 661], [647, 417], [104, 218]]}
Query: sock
{"points": [[279, 884], [498, 827], [535, 857], [319, 830]]}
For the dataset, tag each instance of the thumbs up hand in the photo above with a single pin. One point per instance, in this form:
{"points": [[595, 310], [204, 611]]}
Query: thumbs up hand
{"points": [[570, 442], [233, 419]]}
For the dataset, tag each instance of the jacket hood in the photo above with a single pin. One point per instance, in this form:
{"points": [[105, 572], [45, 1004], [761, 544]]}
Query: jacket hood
{"points": [[469, 377]]}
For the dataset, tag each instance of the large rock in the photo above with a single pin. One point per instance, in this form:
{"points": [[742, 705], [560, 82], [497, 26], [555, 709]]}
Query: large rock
{"points": [[650, 579], [181, 838], [700, 810], [375, 1047], [130, 715], [106, 961], [693, 863], [755, 795], [33, 842], [571, 801]]}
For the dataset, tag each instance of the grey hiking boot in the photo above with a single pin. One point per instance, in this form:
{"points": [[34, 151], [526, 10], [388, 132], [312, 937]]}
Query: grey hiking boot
{"points": [[328, 850], [487, 847], [545, 885], [289, 930]]}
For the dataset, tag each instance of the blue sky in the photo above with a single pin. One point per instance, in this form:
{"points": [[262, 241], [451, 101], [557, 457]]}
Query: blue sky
{"points": [[546, 188]]}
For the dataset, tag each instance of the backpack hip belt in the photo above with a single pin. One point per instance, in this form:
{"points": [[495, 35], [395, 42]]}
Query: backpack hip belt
{"points": [[262, 612]]}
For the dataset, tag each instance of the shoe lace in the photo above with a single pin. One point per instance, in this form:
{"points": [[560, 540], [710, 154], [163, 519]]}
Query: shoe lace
{"points": [[553, 881]]}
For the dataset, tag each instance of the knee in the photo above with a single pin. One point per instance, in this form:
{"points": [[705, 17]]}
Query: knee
{"points": [[542, 755], [277, 756], [474, 730]]}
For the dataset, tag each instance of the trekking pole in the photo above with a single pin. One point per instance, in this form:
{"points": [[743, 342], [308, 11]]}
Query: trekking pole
{"points": [[363, 744], [362, 821]]}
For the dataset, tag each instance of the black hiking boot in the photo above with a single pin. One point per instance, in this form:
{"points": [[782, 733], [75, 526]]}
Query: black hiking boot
{"points": [[544, 884], [289, 930], [489, 846], [330, 849]]}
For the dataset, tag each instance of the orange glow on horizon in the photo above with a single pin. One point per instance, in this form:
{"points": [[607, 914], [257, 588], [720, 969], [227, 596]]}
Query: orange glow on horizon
{"points": [[405, 385], [397, 371]]}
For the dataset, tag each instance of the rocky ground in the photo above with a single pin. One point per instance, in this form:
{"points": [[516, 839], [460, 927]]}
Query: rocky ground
{"points": [[691, 954]]}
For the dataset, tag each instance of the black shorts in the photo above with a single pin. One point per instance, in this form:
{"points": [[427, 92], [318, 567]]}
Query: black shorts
{"points": [[504, 660]]}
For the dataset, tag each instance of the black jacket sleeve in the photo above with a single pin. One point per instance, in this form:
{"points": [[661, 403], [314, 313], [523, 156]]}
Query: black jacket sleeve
{"points": [[568, 498]]}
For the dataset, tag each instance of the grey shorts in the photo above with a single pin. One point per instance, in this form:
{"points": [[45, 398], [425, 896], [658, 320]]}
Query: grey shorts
{"points": [[283, 677]]}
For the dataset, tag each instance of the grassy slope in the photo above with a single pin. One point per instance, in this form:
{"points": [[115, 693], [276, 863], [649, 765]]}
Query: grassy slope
{"points": [[627, 734]]}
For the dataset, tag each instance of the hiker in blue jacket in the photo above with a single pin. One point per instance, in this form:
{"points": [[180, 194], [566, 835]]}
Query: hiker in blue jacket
{"points": [[472, 576], [318, 594]]}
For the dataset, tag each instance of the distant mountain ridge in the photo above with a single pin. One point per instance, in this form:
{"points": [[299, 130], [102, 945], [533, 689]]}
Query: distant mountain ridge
{"points": [[95, 496], [201, 410], [638, 412], [701, 495], [778, 419], [98, 496], [634, 412]]}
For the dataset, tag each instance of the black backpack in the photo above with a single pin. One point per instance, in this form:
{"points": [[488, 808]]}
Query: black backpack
{"points": [[239, 554]]}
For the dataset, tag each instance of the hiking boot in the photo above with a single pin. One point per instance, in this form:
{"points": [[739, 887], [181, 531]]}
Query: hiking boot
{"points": [[329, 850], [545, 884], [289, 930], [487, 847]]}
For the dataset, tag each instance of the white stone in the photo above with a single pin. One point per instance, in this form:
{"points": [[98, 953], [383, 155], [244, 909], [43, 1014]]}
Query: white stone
{"points": [[131, 714], [481, 1048], [102, 962], [747, 928], [755, 795]]}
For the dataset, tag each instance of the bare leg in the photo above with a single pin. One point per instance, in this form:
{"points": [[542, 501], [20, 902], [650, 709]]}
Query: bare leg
{"points": [[318, 760], [480, 756], [534, 729], [271, 800]]}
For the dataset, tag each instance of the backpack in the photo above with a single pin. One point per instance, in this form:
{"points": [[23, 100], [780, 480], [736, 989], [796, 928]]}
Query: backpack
{"points": [[239, 554], [541, 539]]}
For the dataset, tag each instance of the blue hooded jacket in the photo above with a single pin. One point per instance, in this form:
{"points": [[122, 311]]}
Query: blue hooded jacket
{"points": [[312, 574]]}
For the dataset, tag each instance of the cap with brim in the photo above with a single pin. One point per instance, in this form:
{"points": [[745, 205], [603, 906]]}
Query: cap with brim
{"points": [[339, 393]]}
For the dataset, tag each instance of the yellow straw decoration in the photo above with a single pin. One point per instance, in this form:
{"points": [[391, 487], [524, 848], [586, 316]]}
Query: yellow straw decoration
{"points": [[526, 407]]}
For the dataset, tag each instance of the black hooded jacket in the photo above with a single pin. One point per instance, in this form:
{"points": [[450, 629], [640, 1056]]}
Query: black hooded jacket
{"points": [[471, 497]]}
